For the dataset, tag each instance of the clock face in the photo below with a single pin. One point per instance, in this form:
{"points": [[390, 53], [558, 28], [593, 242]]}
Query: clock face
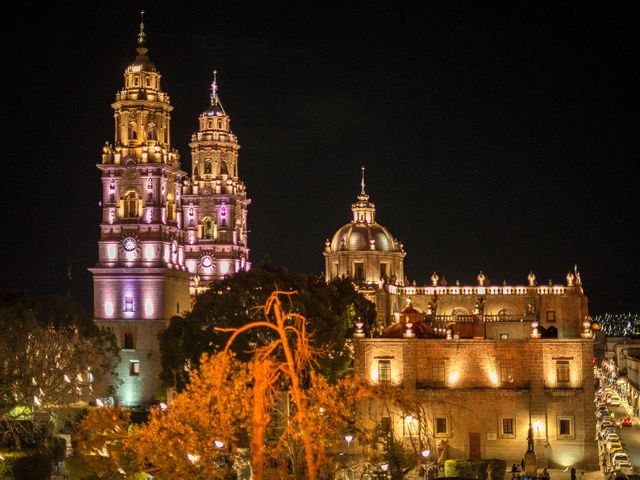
{"points": [[129, 244], [207, 261]]}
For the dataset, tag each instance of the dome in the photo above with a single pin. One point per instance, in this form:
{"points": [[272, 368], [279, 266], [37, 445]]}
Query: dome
{"points": [[357, 236], [142, 62]]}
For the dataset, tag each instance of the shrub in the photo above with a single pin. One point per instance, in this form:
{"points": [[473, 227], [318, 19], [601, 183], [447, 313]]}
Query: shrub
{"points": [[25, 465], [475, 468]]}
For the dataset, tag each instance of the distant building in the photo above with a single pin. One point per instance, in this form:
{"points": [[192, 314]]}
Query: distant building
{"points": [[163, 235], [484, 362]]}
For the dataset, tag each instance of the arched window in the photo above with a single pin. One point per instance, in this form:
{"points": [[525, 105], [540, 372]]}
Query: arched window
{"points": [[207, 227], [131, 205], [207, 166], [223, 168], [151, 131]]}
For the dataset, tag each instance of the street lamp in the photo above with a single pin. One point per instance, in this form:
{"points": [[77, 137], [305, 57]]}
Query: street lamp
{"points": [[425, 454], [348, 439]]}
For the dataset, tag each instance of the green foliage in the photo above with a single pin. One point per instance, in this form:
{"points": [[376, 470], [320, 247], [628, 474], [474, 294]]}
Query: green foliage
{"points": [[49, 350], [25, 465], [331, 310], [475, 468], [77, 469]]}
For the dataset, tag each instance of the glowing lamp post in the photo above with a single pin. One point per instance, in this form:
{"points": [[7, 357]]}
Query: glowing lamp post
{"points": [[348, 439], [425, 454], [534, 330], [408, 333]]}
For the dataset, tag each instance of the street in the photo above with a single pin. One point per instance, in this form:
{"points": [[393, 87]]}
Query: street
{"points": [[630, 436]]}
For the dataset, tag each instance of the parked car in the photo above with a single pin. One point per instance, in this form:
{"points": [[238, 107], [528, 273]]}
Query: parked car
{"points": [[606, 431], [612, 437], [606, 421], [600, 414], [625, 421], [614, 401], [613, 447], [619, 457]]}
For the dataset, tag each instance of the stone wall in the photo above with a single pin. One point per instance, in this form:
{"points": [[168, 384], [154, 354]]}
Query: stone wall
{"points": [[478, 384]]}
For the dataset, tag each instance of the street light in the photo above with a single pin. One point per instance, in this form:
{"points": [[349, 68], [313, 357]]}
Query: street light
{"points": [[425, 454]]}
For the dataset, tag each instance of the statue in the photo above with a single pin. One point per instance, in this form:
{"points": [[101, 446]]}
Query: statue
{"points": [[532, 279], [570, 279], [530, 440], [434, 279]]}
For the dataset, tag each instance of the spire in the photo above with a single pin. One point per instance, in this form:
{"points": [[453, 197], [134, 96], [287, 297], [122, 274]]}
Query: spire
{"points": [[363, 210], [142, 37], [214, 88]]}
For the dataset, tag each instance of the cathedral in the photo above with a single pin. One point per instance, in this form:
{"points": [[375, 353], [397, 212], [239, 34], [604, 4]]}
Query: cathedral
{"points": [[489, 365], [485, 365], [165, 234]]}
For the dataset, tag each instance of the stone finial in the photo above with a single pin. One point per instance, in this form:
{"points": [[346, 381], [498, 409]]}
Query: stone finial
{"points": [[481, 278], [372, 244], [457, 283], [532, 279], [327, 245], [586, 327], [359, 329], [434, 279]]}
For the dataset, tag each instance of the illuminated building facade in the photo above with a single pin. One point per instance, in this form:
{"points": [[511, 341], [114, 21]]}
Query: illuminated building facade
{"points": [[214, 202], [364, 250], [484, 363], [161, 232]]}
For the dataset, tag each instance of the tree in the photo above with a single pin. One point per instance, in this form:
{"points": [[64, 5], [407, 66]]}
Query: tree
{"points": [[330, 309], [51, 355], [202, 434]]}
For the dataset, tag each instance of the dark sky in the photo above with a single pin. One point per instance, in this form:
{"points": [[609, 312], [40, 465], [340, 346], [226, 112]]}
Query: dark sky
{"points": [[502, 138]]}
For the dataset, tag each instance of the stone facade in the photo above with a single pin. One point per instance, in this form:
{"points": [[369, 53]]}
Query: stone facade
{"points": [[488, 393], [162, 234], [479, 365]]}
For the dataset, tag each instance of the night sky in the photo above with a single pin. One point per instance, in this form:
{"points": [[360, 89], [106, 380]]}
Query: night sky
{"points": [[499, 138]]}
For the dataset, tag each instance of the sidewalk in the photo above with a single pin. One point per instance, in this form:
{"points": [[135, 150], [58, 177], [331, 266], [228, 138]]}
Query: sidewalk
{"points": [[562, 474]]}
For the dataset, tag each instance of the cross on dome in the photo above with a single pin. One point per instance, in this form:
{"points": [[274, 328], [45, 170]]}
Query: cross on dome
{"points": [[214, 88], [142, 37]]}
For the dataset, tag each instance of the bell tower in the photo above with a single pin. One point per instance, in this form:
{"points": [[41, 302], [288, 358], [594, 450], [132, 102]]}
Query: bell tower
{"points": [[214, 203], [140, 279]]}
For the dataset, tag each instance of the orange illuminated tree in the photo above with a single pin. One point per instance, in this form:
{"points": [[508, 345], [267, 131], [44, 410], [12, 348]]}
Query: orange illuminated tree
{"points": [[229, 405]]}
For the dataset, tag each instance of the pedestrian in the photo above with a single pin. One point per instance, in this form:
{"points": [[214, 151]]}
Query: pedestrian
{"points": [[573, 473], [545, 475], [522, 465]]}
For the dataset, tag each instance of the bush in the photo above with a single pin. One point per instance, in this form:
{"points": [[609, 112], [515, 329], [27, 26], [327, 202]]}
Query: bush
{"points": [[475, 468], [77, 469], [25, 465]]}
